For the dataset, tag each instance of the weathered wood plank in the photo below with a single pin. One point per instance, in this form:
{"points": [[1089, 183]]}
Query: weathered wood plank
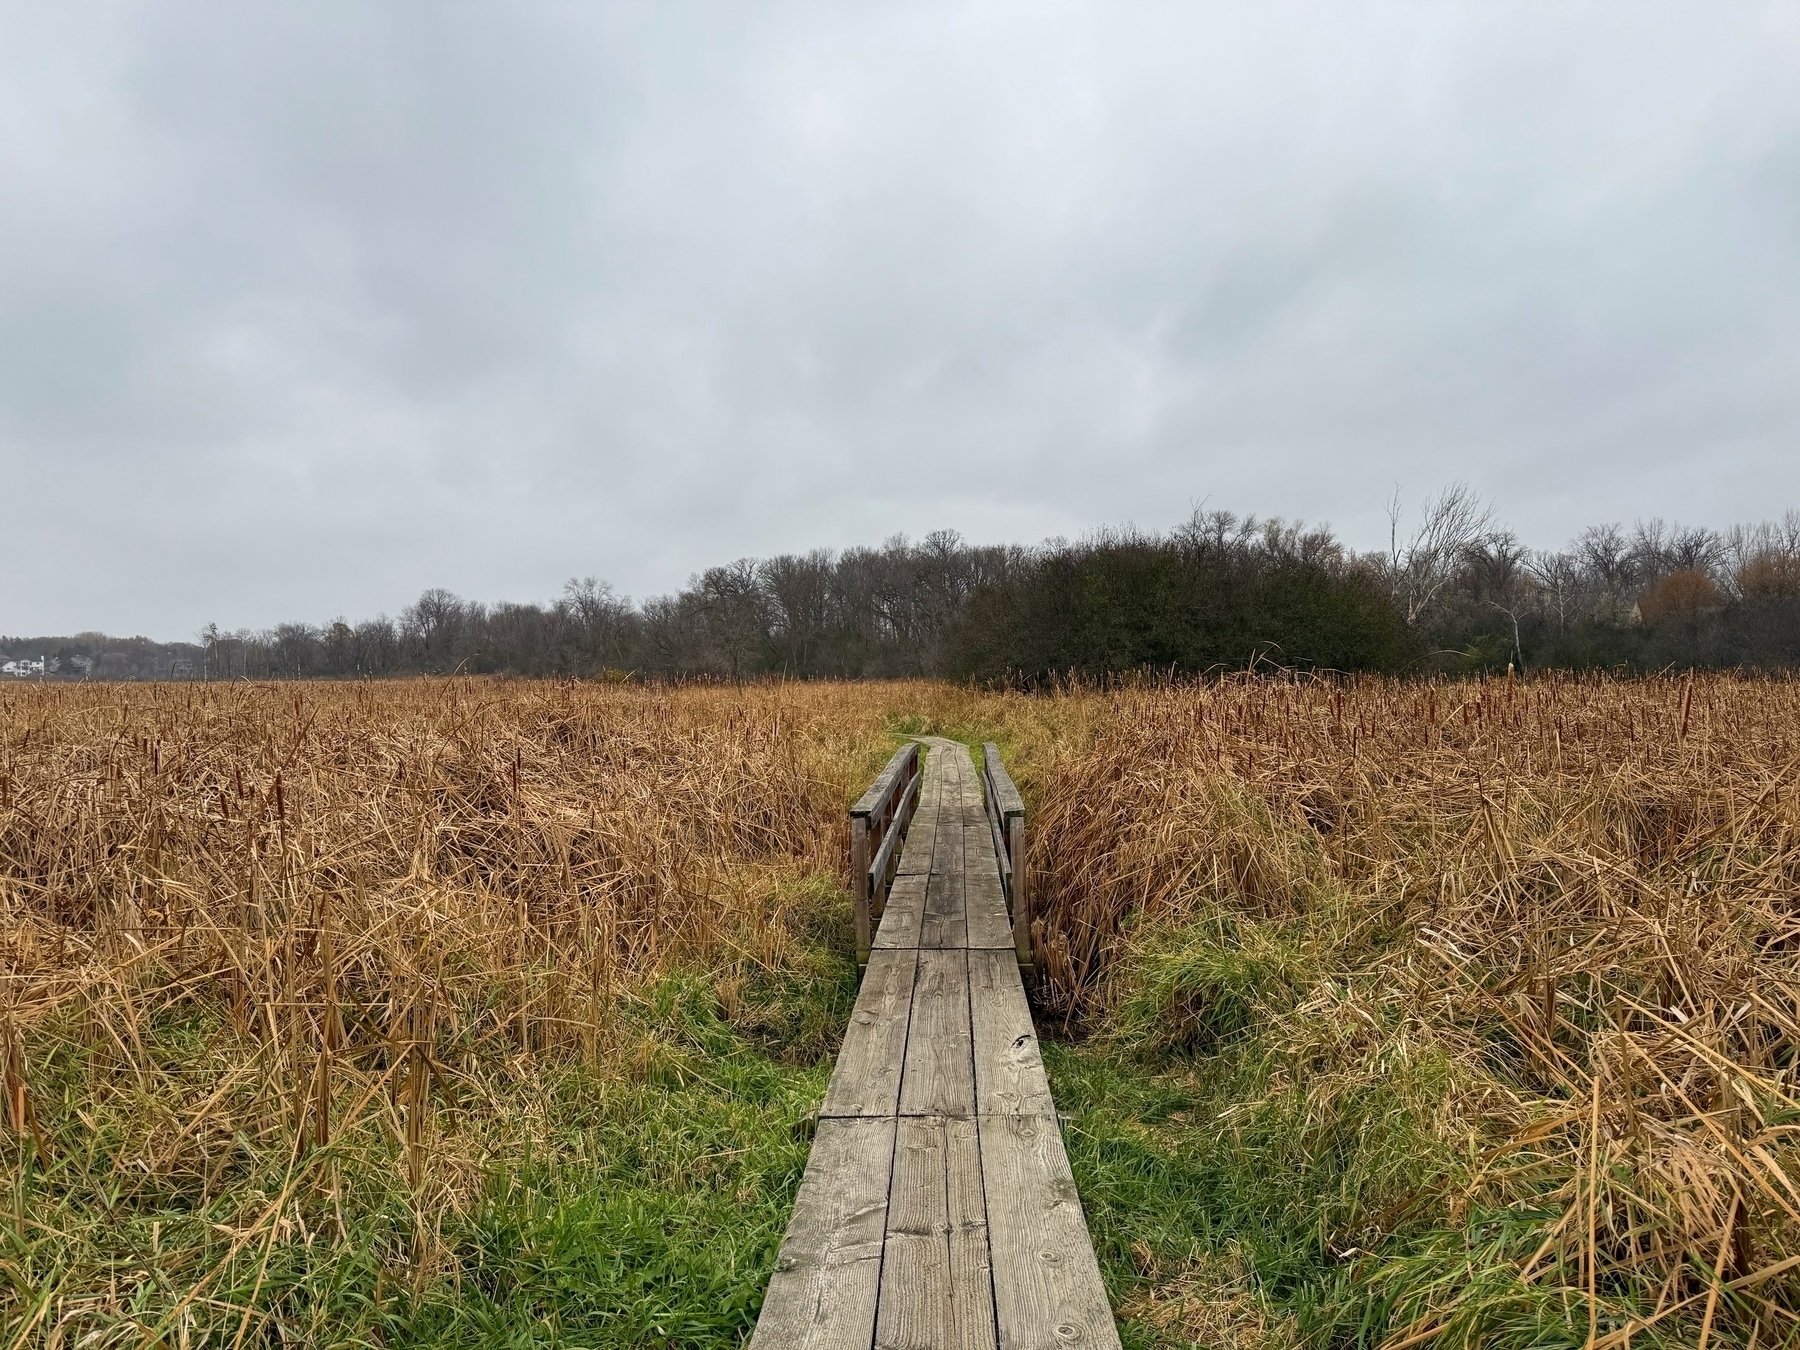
{"points": [[1009, 1072], [827, 1278], [859, 884], [997, 838], [974, 812], [866, 1080], [1007, 800], [1047, 1289], [940, 1068], [936, 1286], [915, 856], [905, 912], [884, 863], [977, 1239], [915, 1310], [885, 782], [984, 900], [1008, 810], [971, 1262], [945, 922]]}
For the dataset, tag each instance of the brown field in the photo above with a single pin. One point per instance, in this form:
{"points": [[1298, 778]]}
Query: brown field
{"points": [[378, 901], [505, 857], [1509, 970], [1562, 916]]}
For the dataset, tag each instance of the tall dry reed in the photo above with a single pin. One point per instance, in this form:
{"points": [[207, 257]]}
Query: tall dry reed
{"points": [[1581, 895], [1576, 901], [352, 907]]}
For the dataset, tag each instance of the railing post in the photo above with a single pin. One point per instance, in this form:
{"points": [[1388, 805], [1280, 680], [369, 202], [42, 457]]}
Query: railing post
{"points": [[859, 882]]}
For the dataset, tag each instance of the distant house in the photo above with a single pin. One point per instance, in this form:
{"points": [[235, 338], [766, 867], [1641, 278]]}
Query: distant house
{"points": [[23, 668]]}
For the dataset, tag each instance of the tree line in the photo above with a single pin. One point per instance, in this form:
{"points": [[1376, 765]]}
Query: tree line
{"points": [[1455, 592]]}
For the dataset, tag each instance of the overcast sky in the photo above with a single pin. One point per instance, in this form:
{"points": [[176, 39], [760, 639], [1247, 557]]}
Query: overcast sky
{"points": [[306, 307]]}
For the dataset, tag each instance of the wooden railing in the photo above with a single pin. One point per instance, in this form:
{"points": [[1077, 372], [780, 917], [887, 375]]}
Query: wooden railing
{"points": [[1006, 821], [878, 824]]}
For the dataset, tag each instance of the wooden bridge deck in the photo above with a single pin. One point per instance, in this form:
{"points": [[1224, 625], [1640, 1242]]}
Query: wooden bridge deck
{"points": [[938, 1208]]}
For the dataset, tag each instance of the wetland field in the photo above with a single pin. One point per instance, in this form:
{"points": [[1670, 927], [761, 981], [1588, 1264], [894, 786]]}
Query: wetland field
{"points": [[493, 1013]]}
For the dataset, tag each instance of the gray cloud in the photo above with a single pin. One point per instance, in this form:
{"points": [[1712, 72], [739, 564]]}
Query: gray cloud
{"points": [[304, 308]]}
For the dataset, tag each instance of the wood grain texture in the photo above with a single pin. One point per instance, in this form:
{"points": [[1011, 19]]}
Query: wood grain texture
{"points": [[997, 837], [883, 865], [1009, 1072], [1007, 801], [1047, 1289], [905, 912], [974, 811], [944, 922], [915, 857], [1018, 891], [971, 1261], [885, 782], [938, 1208], [827, 1278], [936, 1284], [984, 899], [866, 1079], [940, 1067], [859, 884]]}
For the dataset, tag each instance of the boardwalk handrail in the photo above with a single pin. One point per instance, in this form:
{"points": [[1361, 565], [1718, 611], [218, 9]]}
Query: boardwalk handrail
{"points": [[878, 822], [1006, 821]]}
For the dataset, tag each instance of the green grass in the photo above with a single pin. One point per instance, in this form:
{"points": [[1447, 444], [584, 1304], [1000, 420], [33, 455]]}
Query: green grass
{"points": [[1206, 1166], [638, 1202], [1282, 1170]]}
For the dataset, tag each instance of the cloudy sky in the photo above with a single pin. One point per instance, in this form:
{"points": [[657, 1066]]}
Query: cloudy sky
{"points": [[304, 308]]}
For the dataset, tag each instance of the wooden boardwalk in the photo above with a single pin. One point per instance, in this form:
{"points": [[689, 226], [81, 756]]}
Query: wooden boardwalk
{"points": [[938, 1209]]}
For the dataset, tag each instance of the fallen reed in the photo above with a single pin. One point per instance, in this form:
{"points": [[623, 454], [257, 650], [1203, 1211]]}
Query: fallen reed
{"points": [[1493, 984], [274, 956]]}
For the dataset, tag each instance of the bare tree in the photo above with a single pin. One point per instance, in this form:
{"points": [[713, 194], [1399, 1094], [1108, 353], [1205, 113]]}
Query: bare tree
{"points": [[731, 598], [1609, 567], [1770, 547], [339, 642], [597, 618], [1418, 573], [1558, 577], [377, 646], [436, 622], [799, 590], [1658, 548], [211, 639]]}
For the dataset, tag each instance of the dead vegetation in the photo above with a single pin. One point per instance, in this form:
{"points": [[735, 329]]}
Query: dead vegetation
{"points": [[1490, 990], [246, 928], [1546, 930]]}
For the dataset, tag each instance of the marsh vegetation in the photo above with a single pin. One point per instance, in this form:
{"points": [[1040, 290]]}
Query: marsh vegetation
{"points": [[486, 1013]]}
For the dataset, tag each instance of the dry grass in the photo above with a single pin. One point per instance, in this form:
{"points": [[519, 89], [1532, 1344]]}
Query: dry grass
{"points": [[358, 862], [247, 923], [1211, 1302], [1548, 929], [1486, 994]]}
